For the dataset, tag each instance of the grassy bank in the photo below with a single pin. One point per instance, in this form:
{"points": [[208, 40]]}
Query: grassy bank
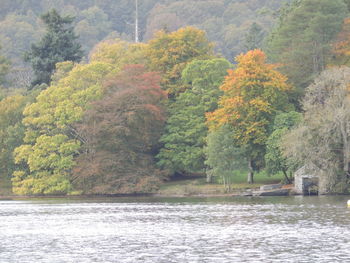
{"points": [[191, 187], [199, 186]]}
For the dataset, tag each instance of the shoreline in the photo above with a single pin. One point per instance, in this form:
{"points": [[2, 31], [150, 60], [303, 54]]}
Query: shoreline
{"points": [[156, 195]]}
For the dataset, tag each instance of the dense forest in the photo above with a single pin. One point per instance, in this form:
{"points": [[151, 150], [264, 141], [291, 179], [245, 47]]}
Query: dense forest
{"points": [[93, 103]]}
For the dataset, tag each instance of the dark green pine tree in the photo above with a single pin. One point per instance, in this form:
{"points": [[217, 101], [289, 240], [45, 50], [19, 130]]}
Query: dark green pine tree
{"points": [[58, 44]]}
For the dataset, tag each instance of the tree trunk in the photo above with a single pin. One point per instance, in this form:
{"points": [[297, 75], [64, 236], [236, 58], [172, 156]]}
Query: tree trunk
{"points": [[209, 178], [289, 181], [250, 172]]}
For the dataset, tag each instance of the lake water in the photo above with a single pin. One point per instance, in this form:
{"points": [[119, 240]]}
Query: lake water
{"points": [[270, 229]]}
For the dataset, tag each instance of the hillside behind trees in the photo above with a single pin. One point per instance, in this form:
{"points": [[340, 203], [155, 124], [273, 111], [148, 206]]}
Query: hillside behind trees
{"points": [[225, 22]]}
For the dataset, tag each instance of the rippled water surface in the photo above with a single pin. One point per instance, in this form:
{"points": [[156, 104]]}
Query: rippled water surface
{"points": [[288, 229]]}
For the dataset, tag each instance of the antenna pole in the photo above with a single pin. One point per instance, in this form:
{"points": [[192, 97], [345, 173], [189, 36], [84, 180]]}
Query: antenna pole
{"points": [[137, 22]]}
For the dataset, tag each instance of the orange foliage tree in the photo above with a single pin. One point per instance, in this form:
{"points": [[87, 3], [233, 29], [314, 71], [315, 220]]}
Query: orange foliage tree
{"points": [[121, 133], [253, 93]]}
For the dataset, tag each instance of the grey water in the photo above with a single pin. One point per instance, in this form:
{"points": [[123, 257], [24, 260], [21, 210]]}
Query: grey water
{"points": [[270, 229]]}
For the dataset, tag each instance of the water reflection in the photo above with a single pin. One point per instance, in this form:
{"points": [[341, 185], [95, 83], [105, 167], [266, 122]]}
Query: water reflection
{"points": [[286, 229]]}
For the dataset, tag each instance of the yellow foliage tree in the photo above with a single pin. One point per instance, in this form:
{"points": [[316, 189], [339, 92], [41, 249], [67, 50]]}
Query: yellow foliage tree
{"points": [[119, 53], [253, 93], [169, 53], [51, 140]]}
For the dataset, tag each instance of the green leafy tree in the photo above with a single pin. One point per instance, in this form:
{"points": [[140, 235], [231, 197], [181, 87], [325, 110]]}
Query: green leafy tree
{"points": [[274, 159], [11, 133], [223, 158], [186, 130], [58, 44]]}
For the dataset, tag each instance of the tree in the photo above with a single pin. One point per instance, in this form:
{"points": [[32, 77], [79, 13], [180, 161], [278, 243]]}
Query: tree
{"points": [[58, 45], [253, 93], [302, 40], [169, 53], [119, 53], [186, 132], [51, 142], [223, 158], [274, 159], [322, 140], [11, 133], [121, 133]]}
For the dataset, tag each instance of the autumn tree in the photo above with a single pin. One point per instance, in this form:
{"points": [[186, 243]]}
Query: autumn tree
{"points": [[253, 94], [119, 53], [58, 44], [322, 140], [185, 131], [51, 142], [169, 53], [121, 133]]}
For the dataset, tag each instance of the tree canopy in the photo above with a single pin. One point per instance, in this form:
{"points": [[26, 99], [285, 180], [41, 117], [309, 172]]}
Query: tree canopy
{"points": [[169, 53], [185, 131], [121, 132]]}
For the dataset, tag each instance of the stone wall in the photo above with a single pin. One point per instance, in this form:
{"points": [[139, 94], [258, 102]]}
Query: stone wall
{"points": [[309, 174]]}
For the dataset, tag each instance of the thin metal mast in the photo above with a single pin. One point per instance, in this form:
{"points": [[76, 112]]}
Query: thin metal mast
{"points": [[137, 22]]}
